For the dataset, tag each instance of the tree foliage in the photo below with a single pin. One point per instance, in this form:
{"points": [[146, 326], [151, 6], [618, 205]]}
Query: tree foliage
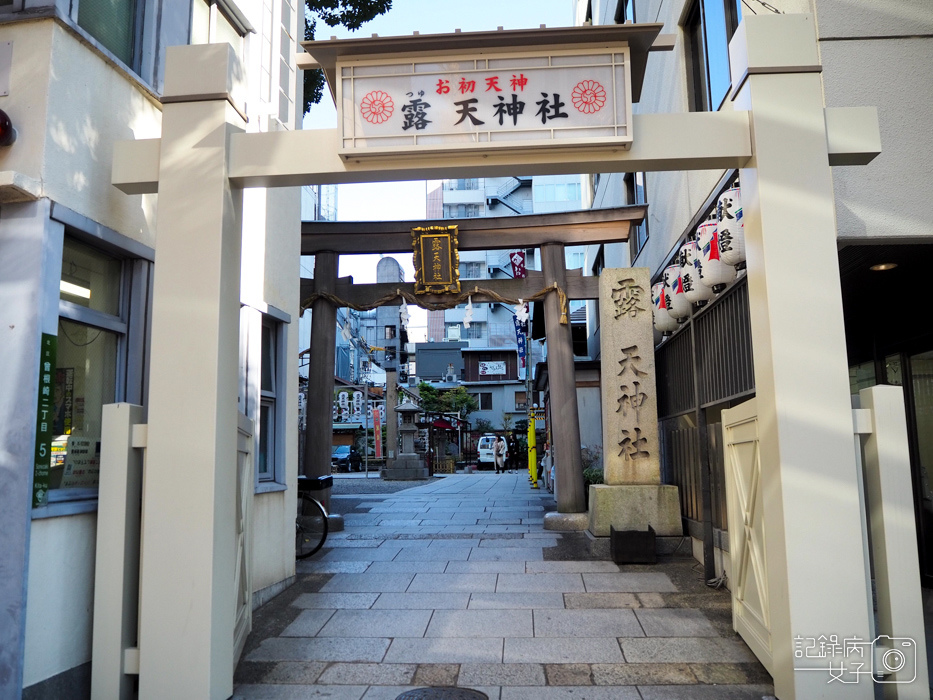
{"points": [[351, 14], [456, 400]]}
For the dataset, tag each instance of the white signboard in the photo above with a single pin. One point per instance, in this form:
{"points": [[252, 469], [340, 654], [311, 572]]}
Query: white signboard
{"points": [[487, 368], [570, 98]]}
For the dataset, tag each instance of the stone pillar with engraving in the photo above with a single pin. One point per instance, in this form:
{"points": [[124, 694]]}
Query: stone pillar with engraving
{"points": [[632, 497]]}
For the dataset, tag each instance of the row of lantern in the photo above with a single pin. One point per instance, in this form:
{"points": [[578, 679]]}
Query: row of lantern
{"points": [[703, 266]]}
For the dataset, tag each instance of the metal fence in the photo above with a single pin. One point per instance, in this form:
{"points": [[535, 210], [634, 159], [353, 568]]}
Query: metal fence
{"points": [[707, 362]]}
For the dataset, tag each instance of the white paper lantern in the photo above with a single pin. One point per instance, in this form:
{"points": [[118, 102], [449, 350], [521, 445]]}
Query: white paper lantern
{"points": [[695, 291], [730, 230], [663, 320], [674, 289], [713, 272]]}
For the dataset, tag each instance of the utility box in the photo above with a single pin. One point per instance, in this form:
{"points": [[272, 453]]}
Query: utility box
{"points": [[632, 546]]}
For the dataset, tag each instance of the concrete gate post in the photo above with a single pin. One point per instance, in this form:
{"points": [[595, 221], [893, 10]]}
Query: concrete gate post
{"points": [[187, 592], [813, 548]]}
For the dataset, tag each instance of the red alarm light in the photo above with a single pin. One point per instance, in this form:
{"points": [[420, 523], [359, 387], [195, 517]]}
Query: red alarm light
{"points": [[7, 132]]}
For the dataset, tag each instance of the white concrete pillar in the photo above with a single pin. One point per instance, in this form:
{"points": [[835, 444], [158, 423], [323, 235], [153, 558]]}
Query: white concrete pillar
{"points": [[187, 597], [813, 549], [30, 270]]}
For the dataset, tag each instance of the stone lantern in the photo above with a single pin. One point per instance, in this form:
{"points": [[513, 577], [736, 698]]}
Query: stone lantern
{"points": [[408, 465]]}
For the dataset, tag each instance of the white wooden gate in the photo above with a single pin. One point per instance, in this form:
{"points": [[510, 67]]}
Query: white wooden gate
{"points": [[750, 604], [244, 529]]}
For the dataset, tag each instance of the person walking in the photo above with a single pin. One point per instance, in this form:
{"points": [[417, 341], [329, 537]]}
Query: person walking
{"points": [[500, 452]]}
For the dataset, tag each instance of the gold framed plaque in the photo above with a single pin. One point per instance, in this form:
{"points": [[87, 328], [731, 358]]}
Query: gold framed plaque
{"points": [[436, 259]]}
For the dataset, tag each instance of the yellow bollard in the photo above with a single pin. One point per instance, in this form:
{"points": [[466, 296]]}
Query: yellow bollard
{"points": [[532, 452]]}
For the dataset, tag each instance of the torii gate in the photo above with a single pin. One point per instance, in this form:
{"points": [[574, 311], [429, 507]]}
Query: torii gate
{"points": [[776, 130], [550, 232]]}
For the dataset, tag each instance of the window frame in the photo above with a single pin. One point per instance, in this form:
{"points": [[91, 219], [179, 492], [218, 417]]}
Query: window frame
{"points": [[130, 324], [693, 23], [638, 235], [253, 398]]}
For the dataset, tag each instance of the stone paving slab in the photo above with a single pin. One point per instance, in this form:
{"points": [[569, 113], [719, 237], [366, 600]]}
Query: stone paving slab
{"points": [[368, 583], [530, 543], [298, 692], [481, 623], [666, 622], [314, 566], [443, 554], [368, 674], [376, 623], [570, 567], [495, 566], [586, 623], [362, 554], [600, 601], [685, 650], [642, 674], [445, 650], [336, 601], [515, 601], [550, 650], [422, 601], [532, 583], [506, 554], [377, 692], [308, 623], [451, 583], [705, 692], [314, 649], [570, 693], [472, 675], [627, 582], [403, 566]]}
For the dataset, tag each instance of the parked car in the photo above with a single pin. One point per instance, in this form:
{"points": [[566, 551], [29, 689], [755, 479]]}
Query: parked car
{"points": [[340, 458], [485, 457]]}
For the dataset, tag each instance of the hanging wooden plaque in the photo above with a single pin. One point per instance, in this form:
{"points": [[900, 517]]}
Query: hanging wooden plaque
{"points": [[437, 260]]}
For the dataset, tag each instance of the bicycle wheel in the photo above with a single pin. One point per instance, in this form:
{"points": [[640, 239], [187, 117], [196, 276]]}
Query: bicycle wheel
{"points": [[310, 527]]}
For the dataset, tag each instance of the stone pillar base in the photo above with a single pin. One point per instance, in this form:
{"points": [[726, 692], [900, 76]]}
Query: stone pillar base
{"points": [[334, 522], [405, 467], [566, 522], [635, 507]]}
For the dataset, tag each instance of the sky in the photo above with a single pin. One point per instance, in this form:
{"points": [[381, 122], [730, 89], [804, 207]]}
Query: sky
{"points": [[406, 200]]}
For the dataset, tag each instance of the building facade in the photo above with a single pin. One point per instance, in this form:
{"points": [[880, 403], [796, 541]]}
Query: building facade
{"points": [[78, 261]]}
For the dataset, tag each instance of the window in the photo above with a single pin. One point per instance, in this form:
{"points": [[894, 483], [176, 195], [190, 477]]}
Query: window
{"points": [[485, 400], [89, 370], [625, 11], [476, 331], [521, 400], [636, 193], [263, 390], [390, 332], [708, 27], [113, 23], [268, 390], [472, 270]]}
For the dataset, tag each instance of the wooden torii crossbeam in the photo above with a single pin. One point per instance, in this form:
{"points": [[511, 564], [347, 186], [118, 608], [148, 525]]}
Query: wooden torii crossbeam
{"points": [[492, 233]]}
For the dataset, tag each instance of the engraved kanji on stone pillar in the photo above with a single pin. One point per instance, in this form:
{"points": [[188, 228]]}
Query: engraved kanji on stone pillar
{"points": [[629, 393]]}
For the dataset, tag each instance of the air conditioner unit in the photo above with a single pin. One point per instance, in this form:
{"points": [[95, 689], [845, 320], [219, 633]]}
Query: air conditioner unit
{"points": [[449, 378], [453, 332]]}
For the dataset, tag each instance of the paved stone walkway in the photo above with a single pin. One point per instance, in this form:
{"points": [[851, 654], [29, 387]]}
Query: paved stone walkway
{"points": [[457, 584]]}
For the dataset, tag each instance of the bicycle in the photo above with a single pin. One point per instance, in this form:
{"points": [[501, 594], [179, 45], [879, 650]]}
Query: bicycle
{"points": [[311, 519]]}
